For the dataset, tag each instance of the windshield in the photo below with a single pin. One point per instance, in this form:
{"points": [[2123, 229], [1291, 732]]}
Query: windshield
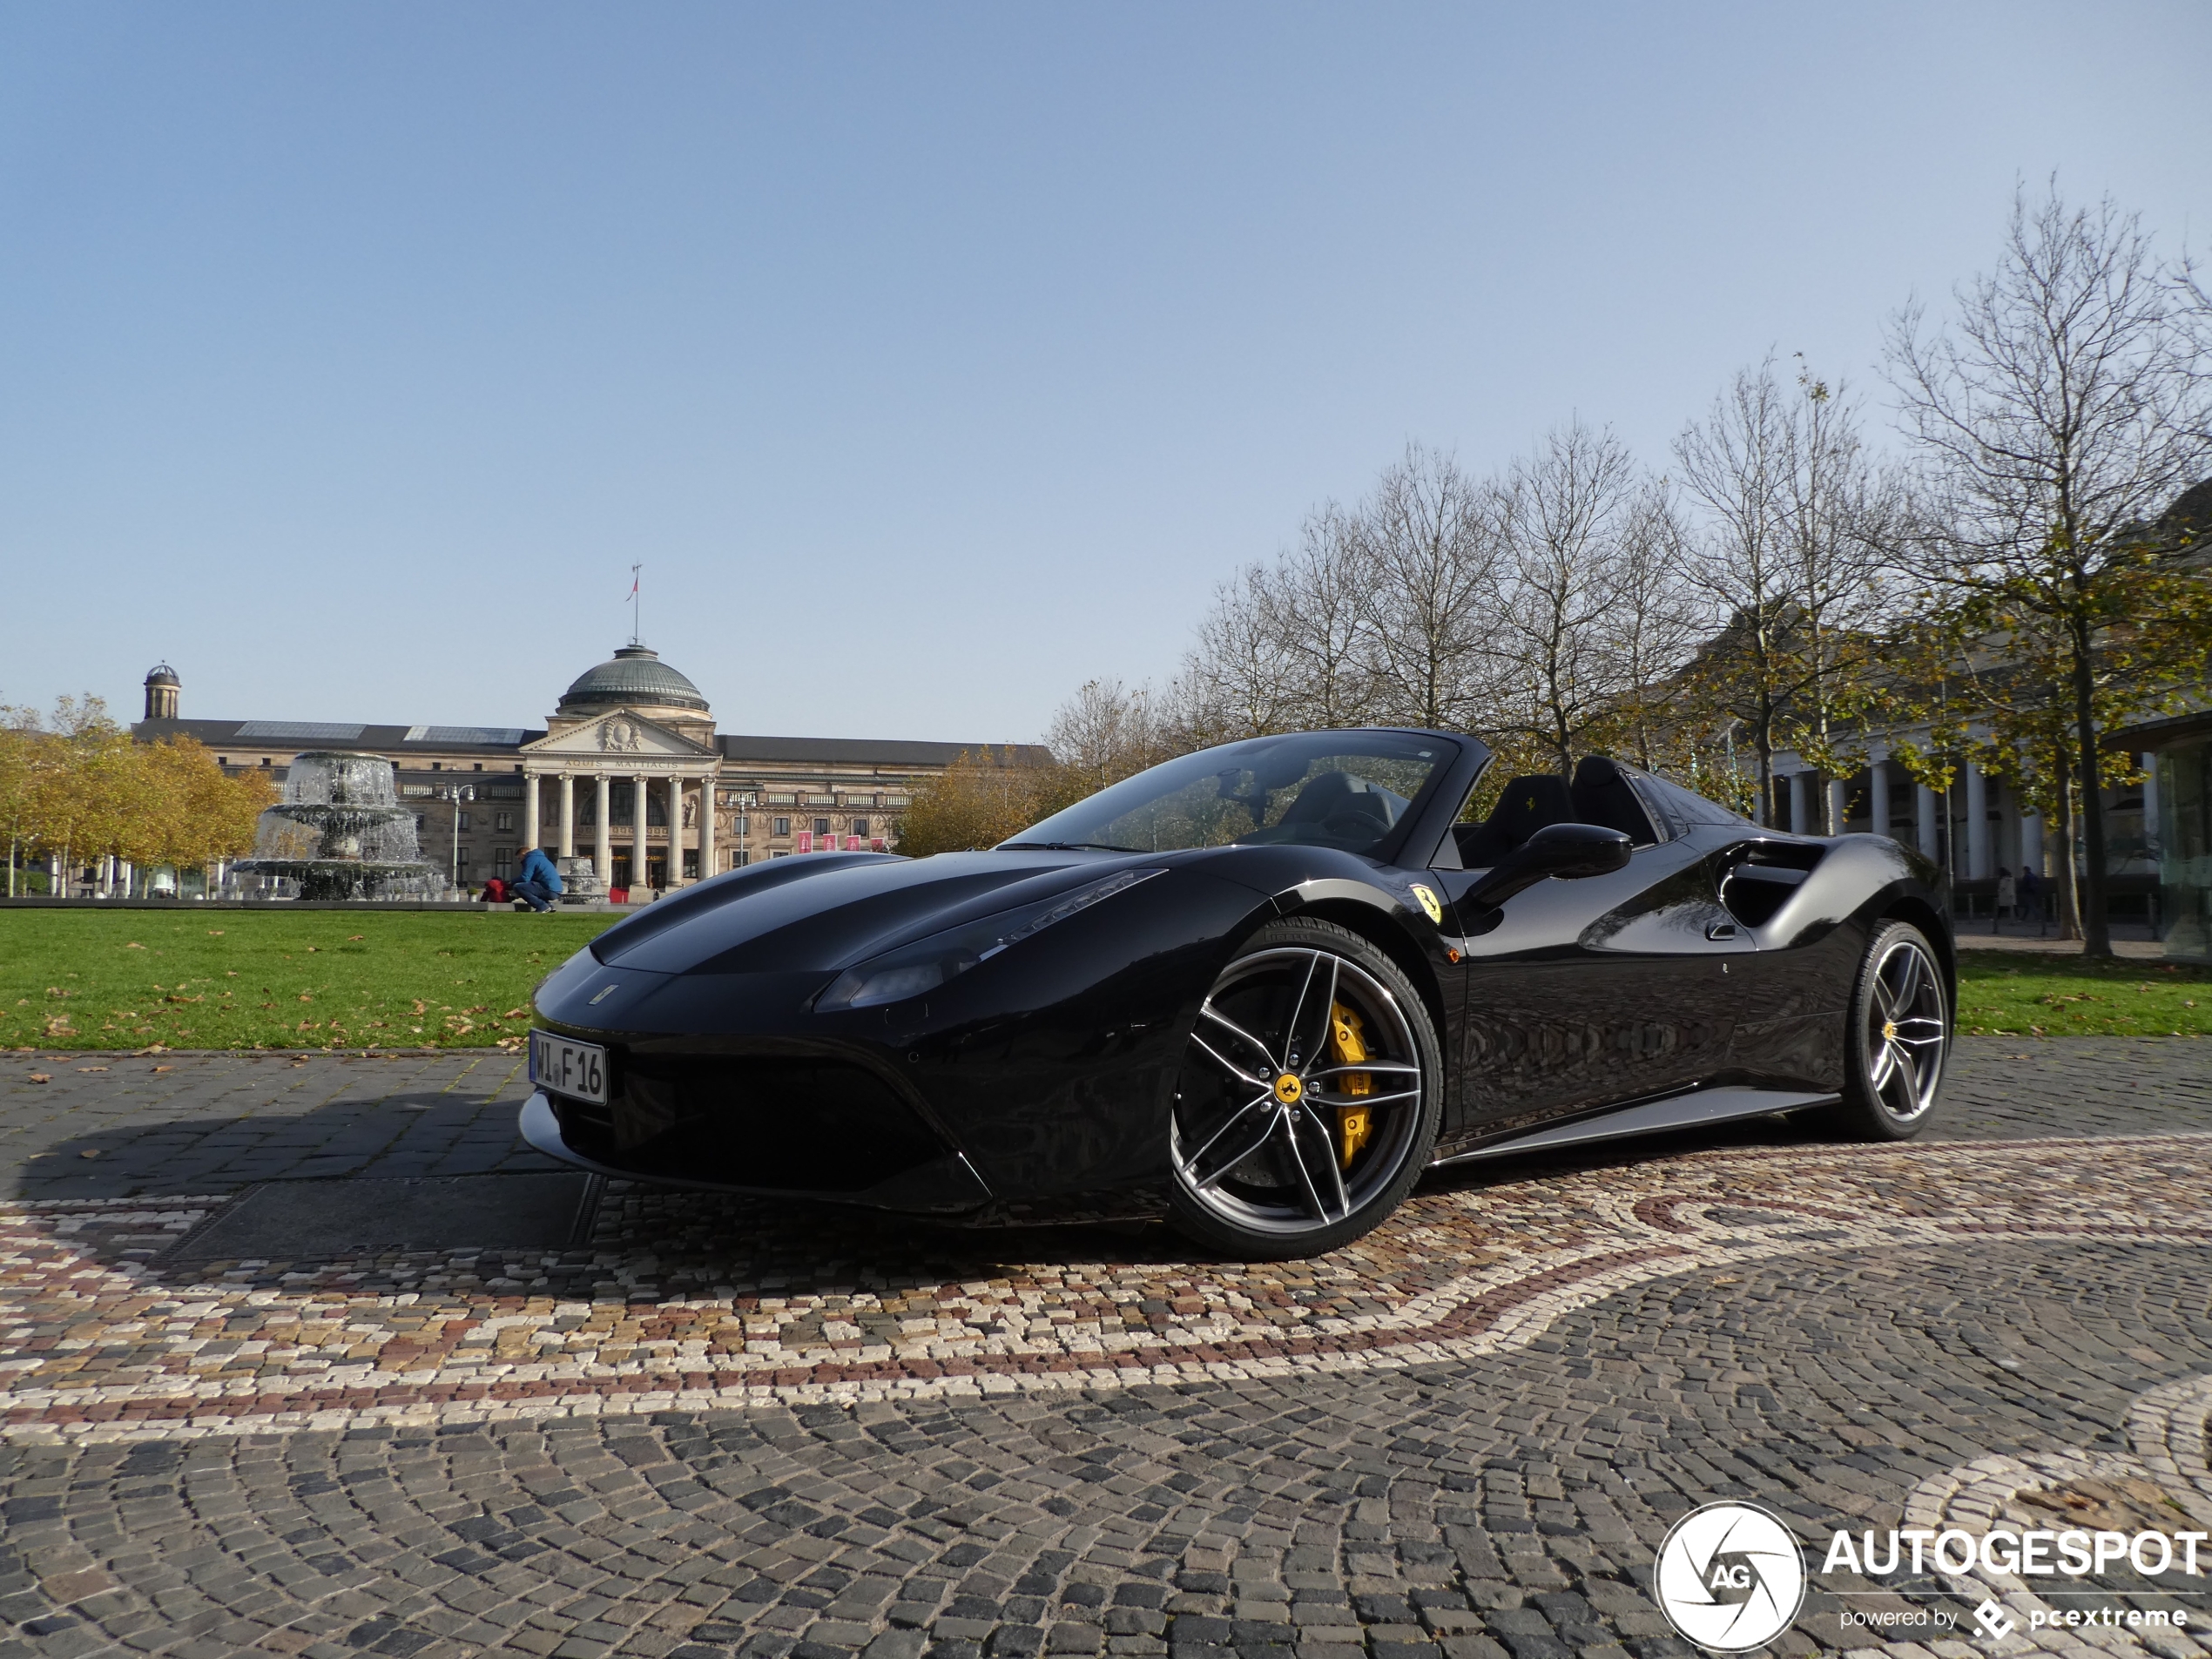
{"points": [[1340, 789]]}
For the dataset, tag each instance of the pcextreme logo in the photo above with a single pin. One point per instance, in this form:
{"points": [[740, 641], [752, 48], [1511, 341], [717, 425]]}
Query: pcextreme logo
{"points": [[1730, 1577]]}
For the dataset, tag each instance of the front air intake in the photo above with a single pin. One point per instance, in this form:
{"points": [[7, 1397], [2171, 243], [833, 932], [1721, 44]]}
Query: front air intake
{"points": [[777, 1125]]}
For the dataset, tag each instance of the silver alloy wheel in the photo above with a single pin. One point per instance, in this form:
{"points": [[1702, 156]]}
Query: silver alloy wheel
{"points": [[1908, 1030], [1256, 1137]]}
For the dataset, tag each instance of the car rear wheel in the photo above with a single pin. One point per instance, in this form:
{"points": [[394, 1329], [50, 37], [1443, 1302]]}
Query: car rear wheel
{"points": [[1898, 1037], [1309, 1096]]}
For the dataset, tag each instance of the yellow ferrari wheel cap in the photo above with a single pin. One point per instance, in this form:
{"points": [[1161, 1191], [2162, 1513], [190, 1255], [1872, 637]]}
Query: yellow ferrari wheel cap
{"points": [[1288, 1089]]}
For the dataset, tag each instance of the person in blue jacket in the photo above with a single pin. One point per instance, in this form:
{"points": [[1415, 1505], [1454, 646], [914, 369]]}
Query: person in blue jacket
{"points": [[537, 882]]}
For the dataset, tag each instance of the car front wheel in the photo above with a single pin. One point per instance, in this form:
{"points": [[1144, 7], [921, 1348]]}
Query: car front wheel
{"points": [[1898, 1037], [1308, 1096]]}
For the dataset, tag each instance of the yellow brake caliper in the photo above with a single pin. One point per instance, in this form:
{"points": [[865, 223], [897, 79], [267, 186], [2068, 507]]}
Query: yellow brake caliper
{"points": [[1348, 1047]]}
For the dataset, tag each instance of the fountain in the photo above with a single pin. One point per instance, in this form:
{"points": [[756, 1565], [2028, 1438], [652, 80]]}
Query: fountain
{"points": [[339, 832]]}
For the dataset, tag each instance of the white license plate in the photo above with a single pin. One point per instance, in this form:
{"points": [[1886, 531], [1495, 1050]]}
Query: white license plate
{"points": [[576, 1070]]}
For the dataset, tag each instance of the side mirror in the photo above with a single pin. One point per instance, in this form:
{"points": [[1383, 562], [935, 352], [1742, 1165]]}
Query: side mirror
{"points": [[1568, 851]]}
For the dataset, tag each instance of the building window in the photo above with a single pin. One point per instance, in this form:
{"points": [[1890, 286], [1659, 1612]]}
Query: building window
{"points": [[502, 820], [780, 852], [418, 823], [464, 821], [461, 863], [821, 827], [783, 826], [503, 862], [744, 825], [859, 826]]}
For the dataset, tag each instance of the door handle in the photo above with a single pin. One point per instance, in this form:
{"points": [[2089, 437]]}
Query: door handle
{"points": [[1720, 930]]}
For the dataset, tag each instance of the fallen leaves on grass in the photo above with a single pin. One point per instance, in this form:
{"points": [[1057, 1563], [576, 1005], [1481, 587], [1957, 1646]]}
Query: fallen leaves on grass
{"points": [[134, 945], [42, 1077]]}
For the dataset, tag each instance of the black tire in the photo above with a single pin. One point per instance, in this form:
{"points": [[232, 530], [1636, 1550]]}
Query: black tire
{"points": [[1273, 1074], [1897, 1039]]}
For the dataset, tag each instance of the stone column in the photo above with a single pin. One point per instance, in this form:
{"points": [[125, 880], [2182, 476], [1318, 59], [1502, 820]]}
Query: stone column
{"points": [[676, 832], [641, 847], [706, 827], [1923, 821], [531, 838], [1979, 866], [1799, 807], [1878, 794], [2031, 844], [602, 851], [2152, 838]]}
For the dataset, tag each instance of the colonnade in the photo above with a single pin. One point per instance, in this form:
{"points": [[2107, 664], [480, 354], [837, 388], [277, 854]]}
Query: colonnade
{"points": [[1981, 853], [675, 785]]}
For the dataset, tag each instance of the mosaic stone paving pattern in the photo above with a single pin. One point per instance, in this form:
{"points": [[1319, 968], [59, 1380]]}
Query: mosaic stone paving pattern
{"points": [[113, 1325], [704, 1428]]}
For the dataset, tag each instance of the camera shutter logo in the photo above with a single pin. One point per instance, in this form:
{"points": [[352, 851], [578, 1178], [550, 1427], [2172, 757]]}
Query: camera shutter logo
{"points": [[1730, 1577]]}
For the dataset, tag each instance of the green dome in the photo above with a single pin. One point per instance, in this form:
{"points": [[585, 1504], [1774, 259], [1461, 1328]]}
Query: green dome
{"points": [[634, 677]]}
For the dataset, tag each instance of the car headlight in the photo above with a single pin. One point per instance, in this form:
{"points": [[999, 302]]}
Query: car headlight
{"points": [[910, 970]]}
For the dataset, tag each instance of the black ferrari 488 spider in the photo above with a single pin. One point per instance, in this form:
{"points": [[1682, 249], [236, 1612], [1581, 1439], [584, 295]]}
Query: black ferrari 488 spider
{"points": [[1258, 990]]}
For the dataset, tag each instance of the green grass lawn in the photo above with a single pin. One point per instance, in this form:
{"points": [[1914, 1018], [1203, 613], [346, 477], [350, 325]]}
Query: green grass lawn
{"points": [[248, 979], [339, 979], [2002, 992]]}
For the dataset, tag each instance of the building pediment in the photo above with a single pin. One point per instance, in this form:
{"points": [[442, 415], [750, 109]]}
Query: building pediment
{"points": [[621, 735]]}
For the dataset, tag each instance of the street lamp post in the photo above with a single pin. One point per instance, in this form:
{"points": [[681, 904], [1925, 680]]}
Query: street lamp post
{"points": [[458, 794]]}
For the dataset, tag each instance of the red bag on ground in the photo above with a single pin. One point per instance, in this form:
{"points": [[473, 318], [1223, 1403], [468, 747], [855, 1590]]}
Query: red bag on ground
{"points": [[495, 891]]}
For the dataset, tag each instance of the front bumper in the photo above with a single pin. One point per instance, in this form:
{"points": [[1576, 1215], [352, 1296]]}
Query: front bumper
{"points": [[944, 1186]]}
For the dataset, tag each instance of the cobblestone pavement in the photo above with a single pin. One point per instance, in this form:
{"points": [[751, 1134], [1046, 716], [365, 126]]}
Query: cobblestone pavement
{"points": [[106, 1125], [718, 1427]]}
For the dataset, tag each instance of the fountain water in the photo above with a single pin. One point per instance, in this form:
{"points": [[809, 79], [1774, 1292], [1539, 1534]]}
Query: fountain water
{"points": [[339, 832]]}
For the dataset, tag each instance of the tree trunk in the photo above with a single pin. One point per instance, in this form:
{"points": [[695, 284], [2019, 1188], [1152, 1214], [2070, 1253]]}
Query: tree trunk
{"points": [[2096, 925], [2063, 880]]}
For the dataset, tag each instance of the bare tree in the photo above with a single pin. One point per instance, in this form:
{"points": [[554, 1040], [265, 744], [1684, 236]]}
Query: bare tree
{"points": [[1840, 514], [1651, 628], [1562, 516], [1323, 620], [1426, 541], [1241, 671], [2066, 405], [1736, 463], [1104, 732]]}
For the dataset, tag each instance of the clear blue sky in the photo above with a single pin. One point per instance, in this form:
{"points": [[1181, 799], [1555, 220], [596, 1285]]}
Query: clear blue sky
{"points": [[931, 359]]}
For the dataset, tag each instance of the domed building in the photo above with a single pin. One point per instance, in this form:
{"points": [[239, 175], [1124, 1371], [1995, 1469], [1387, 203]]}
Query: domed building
{"points": [[628, 778]]}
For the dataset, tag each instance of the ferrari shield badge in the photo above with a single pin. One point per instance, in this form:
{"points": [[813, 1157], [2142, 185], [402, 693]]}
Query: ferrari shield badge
{"points": [[1430, 903]]}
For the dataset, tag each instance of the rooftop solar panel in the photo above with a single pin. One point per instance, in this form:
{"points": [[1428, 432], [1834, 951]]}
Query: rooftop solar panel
{"points": [[300, 730], [507, 735]]}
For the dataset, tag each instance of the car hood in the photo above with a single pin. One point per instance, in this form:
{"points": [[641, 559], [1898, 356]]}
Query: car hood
{"points": [[823, 911]]}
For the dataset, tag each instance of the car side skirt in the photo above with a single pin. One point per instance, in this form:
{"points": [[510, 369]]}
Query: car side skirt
{"points": [[1691, 1110]]}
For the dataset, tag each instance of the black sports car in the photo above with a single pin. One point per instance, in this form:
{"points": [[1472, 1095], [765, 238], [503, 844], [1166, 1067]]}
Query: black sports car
{"points": [[1257, 990]]}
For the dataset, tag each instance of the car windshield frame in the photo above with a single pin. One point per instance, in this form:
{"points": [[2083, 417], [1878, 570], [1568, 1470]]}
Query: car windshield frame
{"points": [[1169, 808]]}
